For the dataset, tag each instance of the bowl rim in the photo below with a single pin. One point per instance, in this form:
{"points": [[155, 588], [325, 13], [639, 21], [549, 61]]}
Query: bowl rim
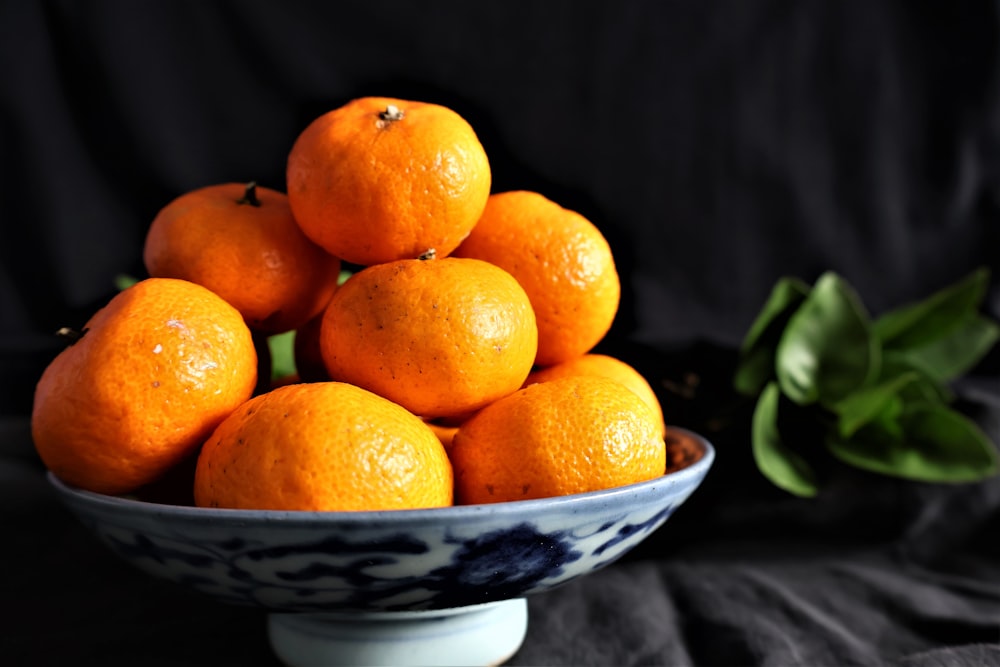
{"points": [[695, 470]]}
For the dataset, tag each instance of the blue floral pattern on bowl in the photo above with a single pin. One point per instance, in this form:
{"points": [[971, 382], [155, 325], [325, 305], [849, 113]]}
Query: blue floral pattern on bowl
{"points": [[385, 561]]}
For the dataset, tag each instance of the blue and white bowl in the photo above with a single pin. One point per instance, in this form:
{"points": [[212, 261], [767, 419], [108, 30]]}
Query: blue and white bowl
{"points": [[399, 565]]}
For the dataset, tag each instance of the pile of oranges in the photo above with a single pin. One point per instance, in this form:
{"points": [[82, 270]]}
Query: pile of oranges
{"points": [[454, 365]]}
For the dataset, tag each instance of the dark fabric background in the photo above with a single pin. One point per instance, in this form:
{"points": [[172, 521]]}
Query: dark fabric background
{"points": [[718, 145]]}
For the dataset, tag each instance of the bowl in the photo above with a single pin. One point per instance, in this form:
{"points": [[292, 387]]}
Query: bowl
{"points": [[426, 586]]}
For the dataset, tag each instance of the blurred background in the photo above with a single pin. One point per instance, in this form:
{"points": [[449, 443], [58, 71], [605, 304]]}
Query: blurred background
{"points": [[718, 145]]}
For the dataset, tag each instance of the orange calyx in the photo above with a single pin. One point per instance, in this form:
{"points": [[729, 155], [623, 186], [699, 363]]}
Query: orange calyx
{"points": [[390, 114], [250, 195], [70, 335]]}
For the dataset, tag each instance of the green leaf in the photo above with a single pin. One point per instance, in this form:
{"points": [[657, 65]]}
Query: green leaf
{"points": [[282, 348], [123, 281], [957, 352], [888, 419], [866, 405], [922, 387], [755, 367], [917, 324], [783, 467], [935, 444], [828, 349]]}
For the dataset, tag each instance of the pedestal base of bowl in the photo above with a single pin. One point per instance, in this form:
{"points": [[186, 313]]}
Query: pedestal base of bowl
{"points": [[486, 634]]}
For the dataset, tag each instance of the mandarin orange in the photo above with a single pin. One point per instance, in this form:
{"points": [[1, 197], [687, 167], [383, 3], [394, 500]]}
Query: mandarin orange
{"points": [[446, 427], [380, 179], [569, 435], [241, 242], [154, 372], [441, 337], [322, 446], [444, 432], [563, 262], [607, 366]]}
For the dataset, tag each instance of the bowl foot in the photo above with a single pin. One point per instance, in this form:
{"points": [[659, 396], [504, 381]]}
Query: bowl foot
{"points": [[486, 634]]}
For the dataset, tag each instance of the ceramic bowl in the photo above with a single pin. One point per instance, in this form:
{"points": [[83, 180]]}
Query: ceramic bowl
{"points": [[380, 587]]}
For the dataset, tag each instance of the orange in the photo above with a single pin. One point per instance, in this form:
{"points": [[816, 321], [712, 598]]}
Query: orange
{"points": [[444, 431], [241, 242], [154, 372], [605, 366], [322, 446], [563, 262], [569, 435], [380, 179], [440, 337], [445, 428]]}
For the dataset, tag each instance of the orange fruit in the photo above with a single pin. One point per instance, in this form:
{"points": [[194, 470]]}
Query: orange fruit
{"points": [[241, 242], [380, 179], [445, 428], [607, 366], [563, 262], [569, 435], [154, 372], [322, 446], [440, 337], [444, 431]]}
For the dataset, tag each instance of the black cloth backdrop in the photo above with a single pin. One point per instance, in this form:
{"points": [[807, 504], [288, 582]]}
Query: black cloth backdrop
{"points": [[718, 145]]}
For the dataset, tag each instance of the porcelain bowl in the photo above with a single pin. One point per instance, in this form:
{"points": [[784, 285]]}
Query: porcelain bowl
{"points": [[387, 562]]}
